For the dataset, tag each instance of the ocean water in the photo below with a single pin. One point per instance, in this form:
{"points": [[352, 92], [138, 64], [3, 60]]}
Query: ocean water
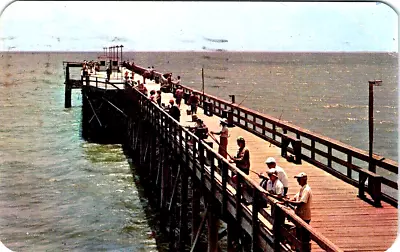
{"points": [[60, 193], [326, 93]]}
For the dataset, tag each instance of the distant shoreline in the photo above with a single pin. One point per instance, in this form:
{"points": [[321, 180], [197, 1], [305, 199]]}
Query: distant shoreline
{"points": [[205, 51]]}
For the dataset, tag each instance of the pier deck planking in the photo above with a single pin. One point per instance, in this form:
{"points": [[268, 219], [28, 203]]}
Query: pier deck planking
{"points": [[337, 213]]}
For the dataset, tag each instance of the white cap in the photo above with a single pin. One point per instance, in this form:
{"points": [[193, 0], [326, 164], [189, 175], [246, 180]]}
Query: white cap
{"points": [[273, 172], [301, 175], [270, 160]]}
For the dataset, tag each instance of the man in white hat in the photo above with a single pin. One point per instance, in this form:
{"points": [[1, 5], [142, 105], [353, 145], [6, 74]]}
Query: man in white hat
{"points": [[271, 163], [302, 202], [223, 139]]}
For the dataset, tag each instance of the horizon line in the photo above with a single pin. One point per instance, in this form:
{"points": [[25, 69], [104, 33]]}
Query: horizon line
{"points": [[195, 51]]}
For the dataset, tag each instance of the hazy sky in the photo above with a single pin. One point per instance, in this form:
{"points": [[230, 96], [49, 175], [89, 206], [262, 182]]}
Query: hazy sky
{"points": [[164, 26]]}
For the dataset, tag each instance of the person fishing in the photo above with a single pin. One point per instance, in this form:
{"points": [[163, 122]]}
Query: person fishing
{"points": [[200, 129], [274, 185], [271, 163], [242, 158], [223, 140]]}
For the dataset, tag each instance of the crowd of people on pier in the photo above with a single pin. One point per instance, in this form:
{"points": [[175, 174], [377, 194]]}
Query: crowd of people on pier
{"points": [[274, 180], [90, 67]]}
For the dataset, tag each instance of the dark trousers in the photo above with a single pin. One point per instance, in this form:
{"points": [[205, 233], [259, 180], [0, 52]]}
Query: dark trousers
{"points": [[193, 108], [285, 190], [302, 234]]}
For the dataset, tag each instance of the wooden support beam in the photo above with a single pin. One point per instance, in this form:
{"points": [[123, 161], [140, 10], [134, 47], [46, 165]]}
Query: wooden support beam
{"points": [[195, 209], [68, 89], [94, 112], [212, 223], [183, 229], [255, 220], [171, 202], [199, 230], [112, 105]]}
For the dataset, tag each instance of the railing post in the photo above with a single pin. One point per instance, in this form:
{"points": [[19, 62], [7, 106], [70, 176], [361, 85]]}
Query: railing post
{"points": [[183, 234], [362, 177], [238, 223], [255, 224], [376, 190], [349, 161], [224, 168], [312, 149], [329, 156], [279, 220], [68, 89], [263, 129]]}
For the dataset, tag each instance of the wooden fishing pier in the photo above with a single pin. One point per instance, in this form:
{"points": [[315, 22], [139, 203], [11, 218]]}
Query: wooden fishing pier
{"points": [[353, 208]]}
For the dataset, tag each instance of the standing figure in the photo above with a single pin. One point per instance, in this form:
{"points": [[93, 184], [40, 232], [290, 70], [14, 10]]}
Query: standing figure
{"points": [[108, 71], [242, 158], [174, 111], [153, 96], [193, 101], [178, 95], [223, 139], [158, 97], [302, 201]]}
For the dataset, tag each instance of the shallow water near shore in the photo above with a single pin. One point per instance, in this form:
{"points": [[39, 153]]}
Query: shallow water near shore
{"points": [[60, 193]]}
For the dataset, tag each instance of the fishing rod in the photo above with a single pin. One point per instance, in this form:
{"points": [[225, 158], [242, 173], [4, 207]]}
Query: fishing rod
{"points": [[259, 174], [213, 138], [251, 91]]}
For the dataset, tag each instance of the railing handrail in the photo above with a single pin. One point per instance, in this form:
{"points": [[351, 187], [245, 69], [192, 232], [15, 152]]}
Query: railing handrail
{"points": [[322, 241], [379, 161], [304, 132]]}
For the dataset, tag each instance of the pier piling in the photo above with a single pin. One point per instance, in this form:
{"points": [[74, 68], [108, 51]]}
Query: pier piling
{"points": [[68, 89]]}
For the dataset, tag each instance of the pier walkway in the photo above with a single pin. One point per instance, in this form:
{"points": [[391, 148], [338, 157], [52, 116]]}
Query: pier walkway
{"points": [[337, 213], [350, 222]]}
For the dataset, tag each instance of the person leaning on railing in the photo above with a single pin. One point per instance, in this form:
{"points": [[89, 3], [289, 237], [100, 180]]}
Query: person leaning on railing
{"points": [[142, 88], [200, 129], [271, 163], [242, 158], [274, 185], [302, 201]]}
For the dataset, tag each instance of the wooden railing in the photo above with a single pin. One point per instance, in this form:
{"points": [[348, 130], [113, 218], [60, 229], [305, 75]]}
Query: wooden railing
{"points": [[266, 227], [339, 159]]}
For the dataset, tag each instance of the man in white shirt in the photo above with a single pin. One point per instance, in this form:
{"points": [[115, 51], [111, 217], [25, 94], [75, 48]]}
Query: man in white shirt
{"points": [[302, 201], [271, 163], [274, 186]]}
